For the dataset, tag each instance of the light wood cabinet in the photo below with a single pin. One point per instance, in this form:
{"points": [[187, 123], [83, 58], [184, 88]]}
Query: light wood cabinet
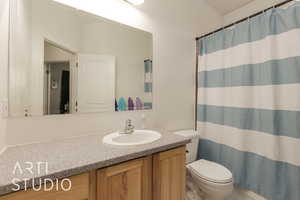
{"points": [[169, 175], [157, 177], [80, 191], [128, 181]]}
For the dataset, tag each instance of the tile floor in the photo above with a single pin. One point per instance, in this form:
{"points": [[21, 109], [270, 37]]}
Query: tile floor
{"points": [[194, 193]]}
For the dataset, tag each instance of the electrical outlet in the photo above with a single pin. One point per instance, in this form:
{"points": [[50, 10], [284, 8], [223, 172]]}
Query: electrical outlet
{"points": [[4, 108]]}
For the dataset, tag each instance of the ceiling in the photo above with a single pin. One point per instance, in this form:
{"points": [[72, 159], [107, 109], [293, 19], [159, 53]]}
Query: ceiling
{"points": [[226, 6]]}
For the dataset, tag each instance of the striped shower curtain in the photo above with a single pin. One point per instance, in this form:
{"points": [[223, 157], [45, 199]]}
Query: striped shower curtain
{"points": [[248, 110]]}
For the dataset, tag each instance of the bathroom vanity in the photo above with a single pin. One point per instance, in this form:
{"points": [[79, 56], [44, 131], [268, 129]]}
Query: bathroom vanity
{"points": [[152, 171]]}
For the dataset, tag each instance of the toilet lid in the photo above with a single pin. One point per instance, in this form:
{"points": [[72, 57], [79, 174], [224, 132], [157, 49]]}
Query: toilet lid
{"points": [[211, 171]]}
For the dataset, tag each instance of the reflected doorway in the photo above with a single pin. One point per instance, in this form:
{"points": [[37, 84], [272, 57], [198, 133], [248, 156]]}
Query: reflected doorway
{"points": [[58, 88], [57, 79]]}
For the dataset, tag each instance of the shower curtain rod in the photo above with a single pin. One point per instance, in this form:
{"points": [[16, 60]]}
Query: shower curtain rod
{"points": [[244, 19]]}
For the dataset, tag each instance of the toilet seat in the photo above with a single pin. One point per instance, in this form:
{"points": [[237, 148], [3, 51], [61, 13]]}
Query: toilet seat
{"points": [[211, 172]]}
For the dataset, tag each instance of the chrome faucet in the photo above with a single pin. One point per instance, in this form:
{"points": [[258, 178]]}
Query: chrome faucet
{"points": [[129, 128]]}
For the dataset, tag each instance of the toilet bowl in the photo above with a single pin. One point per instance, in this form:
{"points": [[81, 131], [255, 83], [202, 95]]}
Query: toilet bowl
{"points": [[214, 180]]}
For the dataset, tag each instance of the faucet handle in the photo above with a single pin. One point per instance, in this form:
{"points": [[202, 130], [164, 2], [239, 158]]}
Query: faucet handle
{"points": [[128, 122]]}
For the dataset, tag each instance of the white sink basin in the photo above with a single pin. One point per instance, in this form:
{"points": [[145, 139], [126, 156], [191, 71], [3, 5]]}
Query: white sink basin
{"points": [[138, 137]]}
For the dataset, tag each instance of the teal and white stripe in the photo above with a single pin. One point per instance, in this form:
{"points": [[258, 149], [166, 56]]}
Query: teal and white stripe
{"points": [[270, 97], [254, 53], [148, 87], [273, 72], [275, 180], [249, 102], [148, 76], [256, 142], [275, 122], [273, 22], [148, 105]]}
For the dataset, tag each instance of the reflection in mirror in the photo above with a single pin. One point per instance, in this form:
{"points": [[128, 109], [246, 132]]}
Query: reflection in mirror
{"points": [[66, 61], [56, 79]]}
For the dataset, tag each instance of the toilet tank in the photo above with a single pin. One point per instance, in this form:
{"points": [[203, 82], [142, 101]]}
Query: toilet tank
{"points": [[192, 148]]}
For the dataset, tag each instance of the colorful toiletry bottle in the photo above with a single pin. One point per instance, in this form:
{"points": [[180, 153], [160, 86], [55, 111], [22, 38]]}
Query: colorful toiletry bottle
{"points": [[122, 104], [138, 103], [130, 104], [116, 105]]}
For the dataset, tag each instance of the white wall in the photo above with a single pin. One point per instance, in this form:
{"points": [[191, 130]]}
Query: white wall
{"points": [[174, 24], [130, 46], [4, 20], [20, 65], [55, 54], [249, 9], [2, 134], [57, 26]]}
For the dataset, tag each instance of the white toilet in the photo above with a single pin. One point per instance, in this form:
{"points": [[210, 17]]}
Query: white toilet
{"points": [[213, 179]]}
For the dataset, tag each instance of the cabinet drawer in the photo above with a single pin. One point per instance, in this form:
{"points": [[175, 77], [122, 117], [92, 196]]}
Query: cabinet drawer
{"points": [[79, 191]]}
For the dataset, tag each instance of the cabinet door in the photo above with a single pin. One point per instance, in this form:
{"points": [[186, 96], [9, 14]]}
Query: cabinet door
{"points": [[127, 181], [169, 175], [80, 190]]}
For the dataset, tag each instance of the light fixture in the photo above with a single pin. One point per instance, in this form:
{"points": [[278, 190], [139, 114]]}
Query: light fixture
{"points": [[135, 2]]}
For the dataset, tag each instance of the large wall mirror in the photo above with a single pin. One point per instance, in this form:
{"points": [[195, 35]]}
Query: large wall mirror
{"points": [[66, 61]]}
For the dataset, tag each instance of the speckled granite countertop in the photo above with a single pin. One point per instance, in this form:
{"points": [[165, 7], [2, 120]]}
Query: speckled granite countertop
{"points": [[71, 157]]}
